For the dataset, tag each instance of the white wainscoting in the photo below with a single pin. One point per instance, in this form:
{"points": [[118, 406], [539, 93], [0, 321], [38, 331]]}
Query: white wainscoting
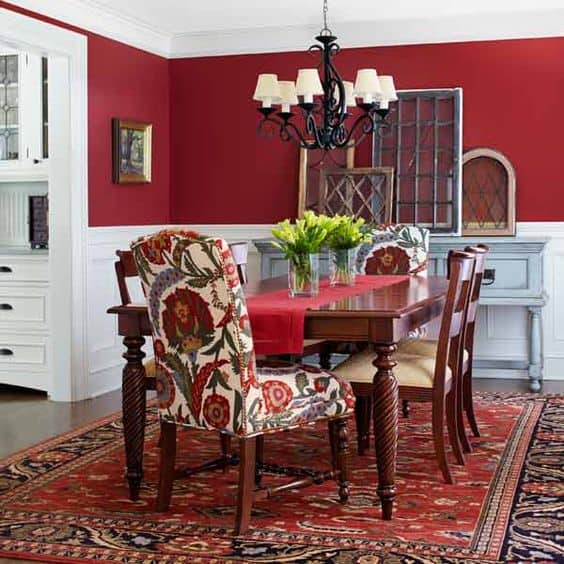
{"points": [[104, 345], [502, 331]]}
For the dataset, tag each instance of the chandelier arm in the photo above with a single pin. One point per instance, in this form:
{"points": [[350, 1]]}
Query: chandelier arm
{"points": [[369, 124], [295, 134]]}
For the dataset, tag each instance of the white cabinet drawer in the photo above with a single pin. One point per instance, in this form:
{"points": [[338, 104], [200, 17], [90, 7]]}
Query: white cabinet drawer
{"points": [[21, 309], [24, 268], [24, 353]]}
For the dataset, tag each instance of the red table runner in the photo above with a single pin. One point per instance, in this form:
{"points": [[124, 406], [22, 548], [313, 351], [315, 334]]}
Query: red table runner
{"points": [[277, 320]]}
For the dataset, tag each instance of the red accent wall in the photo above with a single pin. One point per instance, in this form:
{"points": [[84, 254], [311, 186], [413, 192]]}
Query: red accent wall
{"points": [[223, 172], [129, 83]]}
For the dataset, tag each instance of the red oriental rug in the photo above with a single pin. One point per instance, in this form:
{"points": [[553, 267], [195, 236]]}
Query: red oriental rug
{"points": [[66, 500]]}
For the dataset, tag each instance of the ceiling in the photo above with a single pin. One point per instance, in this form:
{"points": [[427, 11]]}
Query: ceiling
{"points": [[195, 27]]}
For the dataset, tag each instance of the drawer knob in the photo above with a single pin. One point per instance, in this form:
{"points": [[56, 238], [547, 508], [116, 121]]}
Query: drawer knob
{"points": [[6, 352], [5, 269], [6, 307], [489, 277]]}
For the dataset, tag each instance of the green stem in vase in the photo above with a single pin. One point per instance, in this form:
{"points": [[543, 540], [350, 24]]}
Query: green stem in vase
{"points": [[302, 272]]}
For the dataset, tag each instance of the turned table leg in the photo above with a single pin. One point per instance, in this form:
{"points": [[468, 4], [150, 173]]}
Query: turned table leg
{"points": [[385, 414], [133, 406]]}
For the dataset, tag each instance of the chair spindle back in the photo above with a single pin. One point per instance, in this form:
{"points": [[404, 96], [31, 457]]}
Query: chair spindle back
{"points": [[451, 335]]}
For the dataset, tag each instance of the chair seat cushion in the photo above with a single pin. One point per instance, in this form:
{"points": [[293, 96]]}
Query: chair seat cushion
{"points": [[312, 342], [411, 370], [423, 347], [294, 394]]}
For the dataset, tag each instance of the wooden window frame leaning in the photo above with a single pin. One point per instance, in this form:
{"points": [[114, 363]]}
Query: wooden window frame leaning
{"points": [[384, 171], [303, 175], [131, 178], [511, 190]]}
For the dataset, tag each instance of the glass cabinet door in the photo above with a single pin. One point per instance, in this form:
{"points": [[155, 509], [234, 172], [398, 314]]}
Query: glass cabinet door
{"points": [[9, 108]]}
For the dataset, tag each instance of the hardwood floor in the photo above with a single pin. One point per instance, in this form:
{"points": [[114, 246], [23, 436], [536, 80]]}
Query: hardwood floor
{"points": [[28, 417]]}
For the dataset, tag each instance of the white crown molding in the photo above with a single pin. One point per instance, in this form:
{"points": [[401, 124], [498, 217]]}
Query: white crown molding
{"points": [[101, 18], [442, 29]]}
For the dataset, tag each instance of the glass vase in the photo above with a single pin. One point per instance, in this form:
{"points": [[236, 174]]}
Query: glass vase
{"points": [[303, 275], [342, 269]]}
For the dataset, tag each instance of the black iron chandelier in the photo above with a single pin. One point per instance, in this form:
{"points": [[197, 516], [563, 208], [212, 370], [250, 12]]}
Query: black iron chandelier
{"points": [[327, 104]]}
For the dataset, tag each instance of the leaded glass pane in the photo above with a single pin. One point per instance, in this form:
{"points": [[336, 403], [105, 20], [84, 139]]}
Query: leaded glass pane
{"points": [[422, 144], [9, 117]]}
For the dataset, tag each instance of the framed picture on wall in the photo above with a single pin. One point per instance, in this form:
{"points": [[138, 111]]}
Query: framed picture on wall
{"points": [[131, 151]]}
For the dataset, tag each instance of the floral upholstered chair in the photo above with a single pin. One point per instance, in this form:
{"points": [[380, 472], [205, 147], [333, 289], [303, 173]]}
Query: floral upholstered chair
{"points": [[207, 376], [395, 249]]}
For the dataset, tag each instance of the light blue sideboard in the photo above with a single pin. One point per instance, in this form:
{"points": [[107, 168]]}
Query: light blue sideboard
{"points": [[513, 278]]}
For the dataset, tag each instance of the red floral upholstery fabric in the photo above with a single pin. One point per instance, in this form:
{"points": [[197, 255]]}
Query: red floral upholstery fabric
{"points": [[207, 376], [395, 249]]}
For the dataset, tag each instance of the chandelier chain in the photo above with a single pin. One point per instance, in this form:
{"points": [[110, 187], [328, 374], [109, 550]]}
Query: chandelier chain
{"points": [[325, 29]]}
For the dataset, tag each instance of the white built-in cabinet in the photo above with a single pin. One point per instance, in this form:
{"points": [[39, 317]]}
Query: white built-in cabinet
{"points": [[25, 319], [23, 116]]}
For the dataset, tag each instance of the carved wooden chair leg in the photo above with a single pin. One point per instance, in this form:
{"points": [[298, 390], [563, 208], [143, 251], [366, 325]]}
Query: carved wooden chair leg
{"points": [[363, 415], [259, 460], [167, 460], [325, 356], [452, 427], [405, 408], [459, 413], [468, 403], [439, 440], [247, 456], [225, 448], [339, 433], [333, 441]]}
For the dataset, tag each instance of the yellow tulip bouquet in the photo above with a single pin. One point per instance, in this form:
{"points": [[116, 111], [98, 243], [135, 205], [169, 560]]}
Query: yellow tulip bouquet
{"points": [[343, 240], [300, 242]]}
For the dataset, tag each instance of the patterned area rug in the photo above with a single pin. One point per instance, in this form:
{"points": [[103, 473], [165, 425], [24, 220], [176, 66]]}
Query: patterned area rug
{"points": [[66, 500]]}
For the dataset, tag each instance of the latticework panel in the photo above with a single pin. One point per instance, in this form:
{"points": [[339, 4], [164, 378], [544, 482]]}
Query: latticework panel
{"points": [[360, 192]]}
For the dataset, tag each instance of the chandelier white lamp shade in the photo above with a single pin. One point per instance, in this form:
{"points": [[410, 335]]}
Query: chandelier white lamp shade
{"points": [[327, 102], [267, 90]]}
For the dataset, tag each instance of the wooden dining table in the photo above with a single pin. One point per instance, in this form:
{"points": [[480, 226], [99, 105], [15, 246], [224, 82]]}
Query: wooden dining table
{"points": [[380, 316]]}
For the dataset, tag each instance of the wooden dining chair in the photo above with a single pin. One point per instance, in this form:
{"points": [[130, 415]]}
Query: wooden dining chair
{"points": [[428, 347], [429, 379], [208, 379]]}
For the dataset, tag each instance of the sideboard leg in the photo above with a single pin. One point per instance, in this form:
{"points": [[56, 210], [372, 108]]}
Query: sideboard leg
{"points": [[535, 354]]}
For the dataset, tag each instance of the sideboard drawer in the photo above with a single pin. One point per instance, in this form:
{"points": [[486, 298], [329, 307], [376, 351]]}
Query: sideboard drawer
{"points": [[19, 310], [508, 273], [24, 268], [513, 267], [29, 353]]}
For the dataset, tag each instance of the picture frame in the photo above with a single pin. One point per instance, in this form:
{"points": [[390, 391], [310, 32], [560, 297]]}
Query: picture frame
{"points": [[131, 151], [312, 161], [488, 193], [365, 192]]}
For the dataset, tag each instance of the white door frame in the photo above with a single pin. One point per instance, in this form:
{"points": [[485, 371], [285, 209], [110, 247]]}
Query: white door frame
{"points": [[68, 194]]}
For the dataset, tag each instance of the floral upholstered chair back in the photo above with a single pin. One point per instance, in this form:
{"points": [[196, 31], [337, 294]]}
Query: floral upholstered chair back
{"points": [[395, 249], [201, 331]]}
